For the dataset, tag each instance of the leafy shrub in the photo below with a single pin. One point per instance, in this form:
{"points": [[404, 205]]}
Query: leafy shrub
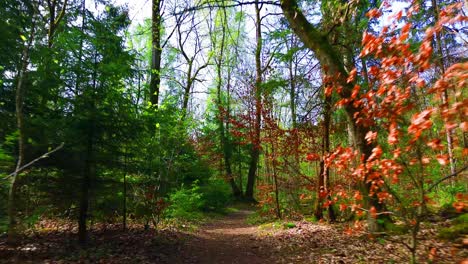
{"points": [[445, 195], [186, 203], [216, 195]]}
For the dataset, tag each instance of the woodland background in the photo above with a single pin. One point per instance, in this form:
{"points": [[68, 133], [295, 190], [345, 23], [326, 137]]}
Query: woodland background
{"points": [[340, 111]]}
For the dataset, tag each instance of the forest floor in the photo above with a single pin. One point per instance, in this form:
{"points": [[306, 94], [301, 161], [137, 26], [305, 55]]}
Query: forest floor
{"points": [[229, 239]]}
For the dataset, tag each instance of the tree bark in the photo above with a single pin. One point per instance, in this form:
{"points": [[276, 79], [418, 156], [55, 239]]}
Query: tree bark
{"points": [[89, 172], [54, 20], [444, 95], [333, 66], [13, 194], [292, 86], [225, 143], [156, 52], [255, 150], [323, 186]]}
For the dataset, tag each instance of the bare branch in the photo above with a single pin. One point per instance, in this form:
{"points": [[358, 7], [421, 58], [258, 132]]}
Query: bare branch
{"points": [[215, 4], [46, 155], [447, 177]]}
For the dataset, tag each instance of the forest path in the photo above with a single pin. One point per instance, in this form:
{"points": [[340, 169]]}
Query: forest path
{"points": [[226, 240]]}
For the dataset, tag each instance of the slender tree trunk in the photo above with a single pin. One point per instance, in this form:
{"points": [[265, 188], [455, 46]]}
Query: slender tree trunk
{"points": [[50, 79], [324, 175], [89, 172], [13, 194], [292, 91], [255, 150], [54, 19], [444, 95], [187, 90], [225, 143], [156, 52], [85, 185], [124, 213], [274, 172]]}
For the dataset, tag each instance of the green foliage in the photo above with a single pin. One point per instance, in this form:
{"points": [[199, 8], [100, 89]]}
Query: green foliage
{"points": [[216, 195], [445, 195], [186, 203], [462, 219], [289, 225], [311, 219], [458, 229], [190, 203]]}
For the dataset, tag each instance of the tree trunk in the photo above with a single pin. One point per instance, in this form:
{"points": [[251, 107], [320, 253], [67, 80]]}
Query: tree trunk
{"points": [[330, 60], [54, 20], [187, 89], [444, 95], [156, 51], [225, 143], [255, 150], [323, 187], [292, 91], [124, 213], [19, 102], [89, 172]]}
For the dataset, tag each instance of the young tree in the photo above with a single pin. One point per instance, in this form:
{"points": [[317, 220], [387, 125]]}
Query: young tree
{"points": [[19, 104], [222, 49]]}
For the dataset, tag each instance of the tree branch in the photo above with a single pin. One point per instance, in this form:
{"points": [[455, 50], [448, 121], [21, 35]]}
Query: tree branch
{"points": [[215, 4], [447, 177], [46, 155]]}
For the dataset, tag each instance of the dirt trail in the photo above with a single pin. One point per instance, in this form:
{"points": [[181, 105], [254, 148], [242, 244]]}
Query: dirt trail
{"points": [[230, 240], [226, 240]]}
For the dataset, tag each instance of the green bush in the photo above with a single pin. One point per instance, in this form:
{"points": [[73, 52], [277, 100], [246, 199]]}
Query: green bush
{"points": [[186, 203], [445, 194], [216, 195]]}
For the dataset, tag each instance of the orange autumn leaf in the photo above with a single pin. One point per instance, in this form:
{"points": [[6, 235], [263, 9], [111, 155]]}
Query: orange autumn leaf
{"points": [[459, 206], [371, 136], [373, 212], [343, 207], [357, 196], [313, 157], [442, 159]]}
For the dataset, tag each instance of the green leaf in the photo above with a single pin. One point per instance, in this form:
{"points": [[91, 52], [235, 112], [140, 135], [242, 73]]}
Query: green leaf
{"points": [[23, 38]]}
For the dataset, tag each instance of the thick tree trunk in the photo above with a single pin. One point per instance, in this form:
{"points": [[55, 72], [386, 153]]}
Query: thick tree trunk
{"points": [[255, 151], [331, 61]]}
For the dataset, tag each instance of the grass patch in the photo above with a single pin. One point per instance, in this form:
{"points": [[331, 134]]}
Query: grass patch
{"points": [[276, 225], [289, 225], [230, 210], [311, 219]]}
